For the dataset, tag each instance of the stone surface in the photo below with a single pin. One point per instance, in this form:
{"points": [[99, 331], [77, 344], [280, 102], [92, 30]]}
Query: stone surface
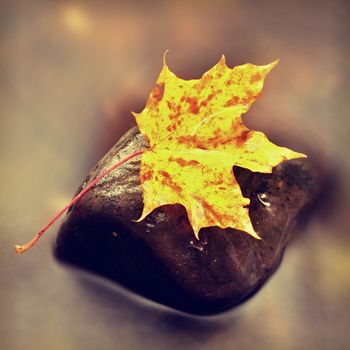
{"points": [[160, 258]]}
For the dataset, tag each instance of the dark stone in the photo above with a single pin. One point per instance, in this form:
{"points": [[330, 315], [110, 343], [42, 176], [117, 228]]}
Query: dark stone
{"points": [[160, 258]]}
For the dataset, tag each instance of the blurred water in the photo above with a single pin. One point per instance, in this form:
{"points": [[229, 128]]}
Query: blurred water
{"points": [[70, 72]]}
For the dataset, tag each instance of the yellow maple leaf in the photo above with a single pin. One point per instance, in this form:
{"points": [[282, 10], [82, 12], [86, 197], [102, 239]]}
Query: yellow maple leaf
{"points": [[196, 135]]}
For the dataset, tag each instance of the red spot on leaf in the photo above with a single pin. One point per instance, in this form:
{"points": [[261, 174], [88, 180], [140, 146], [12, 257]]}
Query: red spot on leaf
{"points": [[155, 96], [256, 77], [147, 175], [165, 174], [209, 212], [219, 181], [188, 140], [193, 102], [210, 96], [205, 102], [243, 137], [168, 181], [250, 97], [176, 109], [158, 92], [171, 127], [233, 101], [182, 162]]}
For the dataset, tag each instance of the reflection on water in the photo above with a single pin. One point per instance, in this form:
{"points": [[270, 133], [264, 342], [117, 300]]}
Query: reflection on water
{"points": [[70, 73], [122, 304]]}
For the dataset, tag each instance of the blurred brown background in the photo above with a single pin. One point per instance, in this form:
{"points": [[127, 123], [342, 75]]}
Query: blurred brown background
{"points": [[71, 71]]}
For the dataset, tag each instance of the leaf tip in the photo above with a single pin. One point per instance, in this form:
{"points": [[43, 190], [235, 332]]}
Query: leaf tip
{"points": [[255, 235], [222, 60], [268, 67], [273, 64], [250, 230], [135, 114], [145, 212], [297, 155], [164, 57], [196, 233]]}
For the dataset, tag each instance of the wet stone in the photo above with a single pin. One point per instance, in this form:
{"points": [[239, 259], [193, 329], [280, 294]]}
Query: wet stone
{"points": [[160, 258]]}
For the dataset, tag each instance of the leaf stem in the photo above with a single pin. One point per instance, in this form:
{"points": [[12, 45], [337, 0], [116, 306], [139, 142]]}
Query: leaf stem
{"points": [[30, 244]]}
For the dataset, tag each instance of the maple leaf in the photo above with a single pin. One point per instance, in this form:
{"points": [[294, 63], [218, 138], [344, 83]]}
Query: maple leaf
{"points": [[196, 135]]}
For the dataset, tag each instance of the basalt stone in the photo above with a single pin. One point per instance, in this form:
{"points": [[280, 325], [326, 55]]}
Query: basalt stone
{"points": [[160, 258]]}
